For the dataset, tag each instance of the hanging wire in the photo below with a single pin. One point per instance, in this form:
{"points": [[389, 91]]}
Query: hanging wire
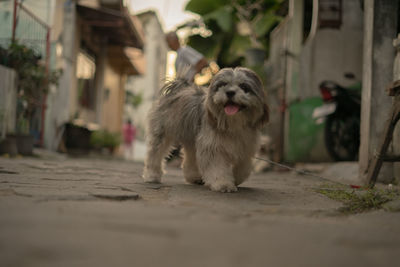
{"points": [[303, 172]]}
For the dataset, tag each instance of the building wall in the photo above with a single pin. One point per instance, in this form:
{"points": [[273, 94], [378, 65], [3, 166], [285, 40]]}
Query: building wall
{"points": [[6, 18], [8, 100], [326, 55], [148, 84], [275, 85], [52, 13], [333, 52], [59, 99], [63, 106], [42, 8], [114, 95]]}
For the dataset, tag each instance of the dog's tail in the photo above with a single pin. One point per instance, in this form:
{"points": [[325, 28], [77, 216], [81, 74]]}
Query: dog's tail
{"points": [[174, 86], [181, 81]]}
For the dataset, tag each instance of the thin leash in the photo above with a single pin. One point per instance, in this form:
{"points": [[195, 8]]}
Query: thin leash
{"points": [[303, 172]]}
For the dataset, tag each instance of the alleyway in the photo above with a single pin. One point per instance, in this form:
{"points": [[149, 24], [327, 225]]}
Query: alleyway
{"points": [[58, 211]]}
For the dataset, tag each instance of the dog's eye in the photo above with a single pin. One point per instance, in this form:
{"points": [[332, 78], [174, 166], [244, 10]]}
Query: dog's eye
{"points": [[245, 87], [219, 85]]}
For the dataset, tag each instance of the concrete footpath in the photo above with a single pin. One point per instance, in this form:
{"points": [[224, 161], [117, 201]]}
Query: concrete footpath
{"points": [[59, 211]]}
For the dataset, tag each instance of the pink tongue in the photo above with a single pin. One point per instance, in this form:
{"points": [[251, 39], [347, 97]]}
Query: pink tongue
{"points": [[231, 109]]}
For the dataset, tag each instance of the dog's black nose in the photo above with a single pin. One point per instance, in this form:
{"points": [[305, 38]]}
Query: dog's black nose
{"points": [[230, 94]]}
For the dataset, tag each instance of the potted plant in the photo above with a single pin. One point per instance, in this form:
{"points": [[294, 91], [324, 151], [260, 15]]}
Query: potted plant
{"points": [[77, 138], [8, 145], [104, 139], [24, 140], [111, 141], [34, 81]]}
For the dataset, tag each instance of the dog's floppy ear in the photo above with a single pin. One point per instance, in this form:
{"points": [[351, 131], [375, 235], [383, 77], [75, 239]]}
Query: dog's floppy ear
{"points": [[264, 119]]}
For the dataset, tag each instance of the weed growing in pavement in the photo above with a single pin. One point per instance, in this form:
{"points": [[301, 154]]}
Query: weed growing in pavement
{"points": [[358, 200]]}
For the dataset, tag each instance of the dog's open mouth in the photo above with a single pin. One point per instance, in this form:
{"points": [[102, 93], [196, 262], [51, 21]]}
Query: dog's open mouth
{"points": [[231, 108]]}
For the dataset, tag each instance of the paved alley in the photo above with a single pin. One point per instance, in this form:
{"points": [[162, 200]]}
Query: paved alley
{"points": [[60, 211]]}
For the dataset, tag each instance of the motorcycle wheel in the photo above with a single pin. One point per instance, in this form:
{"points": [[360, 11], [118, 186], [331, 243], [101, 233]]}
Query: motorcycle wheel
{"points": [[342, 137]]}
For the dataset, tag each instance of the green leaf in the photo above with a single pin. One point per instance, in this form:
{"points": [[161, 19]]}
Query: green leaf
{"points": [[239, 45], [265, 24], [203, 7], [209, 46], [223, 17]]}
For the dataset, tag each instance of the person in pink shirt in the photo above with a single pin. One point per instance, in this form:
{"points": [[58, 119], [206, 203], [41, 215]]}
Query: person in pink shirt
{"points": [[129, 133]]}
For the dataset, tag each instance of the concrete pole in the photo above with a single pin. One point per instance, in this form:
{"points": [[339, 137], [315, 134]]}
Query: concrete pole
{"points": [[295, 40], [291, 54], [59, 102], [380, 26]]}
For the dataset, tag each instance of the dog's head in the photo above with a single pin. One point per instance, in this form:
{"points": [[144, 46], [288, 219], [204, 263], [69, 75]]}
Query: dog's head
{"points": [[237, 95]]}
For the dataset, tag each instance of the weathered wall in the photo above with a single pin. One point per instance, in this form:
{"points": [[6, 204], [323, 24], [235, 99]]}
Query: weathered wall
{"points": [[8, 100], [61, 100], [325, 55], [380, 30], [114, 92], [275, 85], [333, 52], [148, 84]]}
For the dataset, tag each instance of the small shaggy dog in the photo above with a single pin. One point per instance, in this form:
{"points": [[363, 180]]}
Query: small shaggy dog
{"points": [[218, 129]]}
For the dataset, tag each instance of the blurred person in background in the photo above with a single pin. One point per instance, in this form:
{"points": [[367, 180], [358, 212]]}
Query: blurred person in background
{"points": [[129, 133], [188, 62]]}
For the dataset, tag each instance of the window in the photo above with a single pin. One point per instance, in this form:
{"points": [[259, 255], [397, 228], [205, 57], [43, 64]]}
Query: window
{"points": [[85, 72], [330, 13]]}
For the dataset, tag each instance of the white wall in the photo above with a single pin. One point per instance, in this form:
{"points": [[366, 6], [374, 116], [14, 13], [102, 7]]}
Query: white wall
{"points": [[333, 52], [296, 68], [59, 98]]}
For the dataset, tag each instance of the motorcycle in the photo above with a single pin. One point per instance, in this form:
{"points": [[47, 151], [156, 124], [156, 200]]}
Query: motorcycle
{"points": [[341, 113]]}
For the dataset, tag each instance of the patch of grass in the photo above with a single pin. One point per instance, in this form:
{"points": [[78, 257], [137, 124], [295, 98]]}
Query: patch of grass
{"points": [[359, 200]]}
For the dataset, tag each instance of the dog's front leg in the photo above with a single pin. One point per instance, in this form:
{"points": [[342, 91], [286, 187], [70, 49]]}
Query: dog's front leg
{"points": [[190, 169], [242, 170], [217, 174], [157, 149]]}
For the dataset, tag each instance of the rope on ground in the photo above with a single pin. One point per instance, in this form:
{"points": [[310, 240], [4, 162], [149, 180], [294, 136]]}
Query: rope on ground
{"points": [[294, 169]]}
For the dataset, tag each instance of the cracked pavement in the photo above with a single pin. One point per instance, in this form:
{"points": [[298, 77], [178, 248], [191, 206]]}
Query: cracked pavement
{"points": [[60, 211]]}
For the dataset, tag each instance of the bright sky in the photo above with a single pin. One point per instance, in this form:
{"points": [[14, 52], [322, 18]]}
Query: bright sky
{"points": [[171, 12]]}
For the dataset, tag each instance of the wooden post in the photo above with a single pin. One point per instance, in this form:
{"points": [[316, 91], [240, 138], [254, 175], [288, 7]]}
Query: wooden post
{"points": [[380, 27], [394, 116]]}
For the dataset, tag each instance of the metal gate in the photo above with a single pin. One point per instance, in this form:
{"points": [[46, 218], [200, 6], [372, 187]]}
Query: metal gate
{"points": [[30, 30]]}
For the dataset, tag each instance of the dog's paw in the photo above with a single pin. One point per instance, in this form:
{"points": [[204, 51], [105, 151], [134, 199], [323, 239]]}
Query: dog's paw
{"points": [[194, 180], [199, 182], [151, 177], [223, 187]]}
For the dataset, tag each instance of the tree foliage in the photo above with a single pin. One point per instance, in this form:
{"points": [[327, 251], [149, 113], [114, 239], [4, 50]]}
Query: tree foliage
{"points": [[235, 27]]}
